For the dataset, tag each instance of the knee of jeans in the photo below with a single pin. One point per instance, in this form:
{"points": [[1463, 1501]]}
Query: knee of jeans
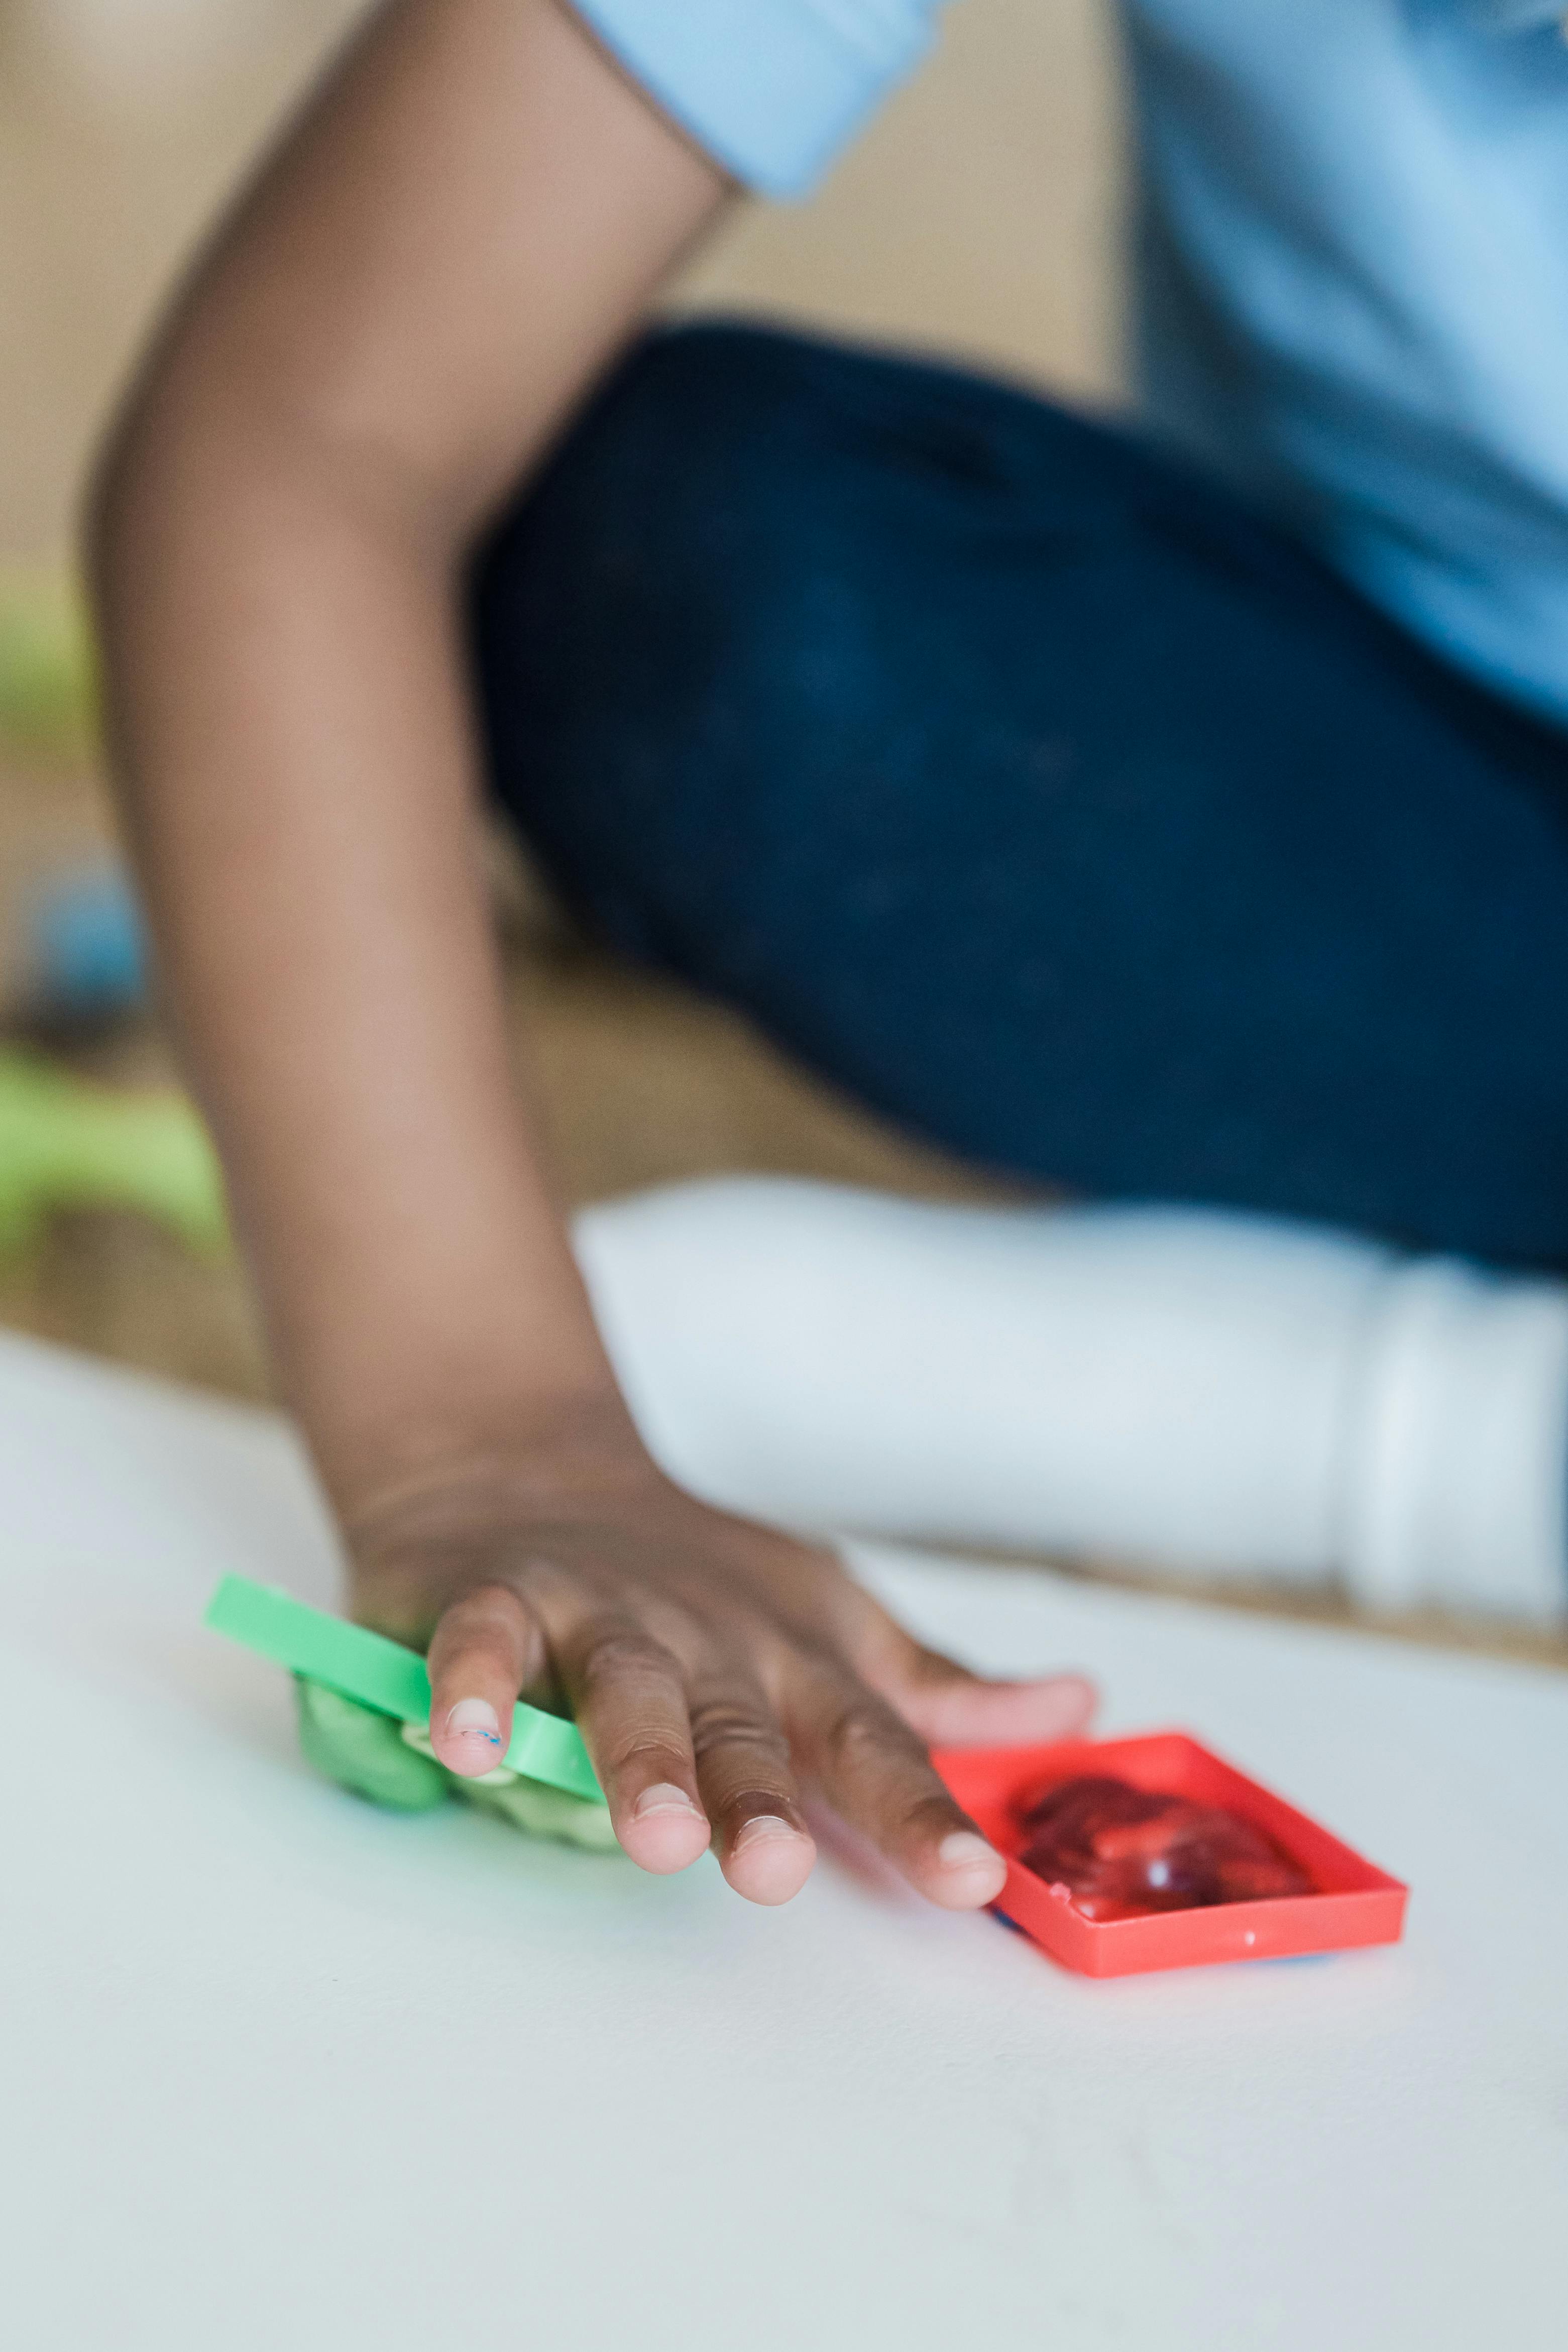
{"points": [[633, 618], [688, 434]]}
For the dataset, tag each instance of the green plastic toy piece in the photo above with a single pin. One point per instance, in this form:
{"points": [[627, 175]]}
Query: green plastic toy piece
{"points": [[388, 1679], [66, 1143]]}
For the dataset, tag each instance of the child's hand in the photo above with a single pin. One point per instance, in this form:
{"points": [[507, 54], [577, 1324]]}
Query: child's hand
{"points": [[713, 1666]]}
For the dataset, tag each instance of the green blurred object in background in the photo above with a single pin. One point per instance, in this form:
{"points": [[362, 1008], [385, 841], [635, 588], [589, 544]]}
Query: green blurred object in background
{"points": [[67, 1143], [48, 675]]}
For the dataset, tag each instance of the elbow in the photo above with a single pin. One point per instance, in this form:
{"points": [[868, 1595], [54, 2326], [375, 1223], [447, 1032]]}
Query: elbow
{"points": [[191, 477], [209, 449], [110, 497], [140, 478]]}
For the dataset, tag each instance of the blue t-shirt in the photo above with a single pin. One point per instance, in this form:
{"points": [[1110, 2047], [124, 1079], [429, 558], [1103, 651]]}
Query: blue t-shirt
{"points": [[1352, 262]]}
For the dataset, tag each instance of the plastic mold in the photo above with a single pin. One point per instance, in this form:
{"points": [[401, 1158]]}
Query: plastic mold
{"points": [[1351, 1902], [382, 1674]]}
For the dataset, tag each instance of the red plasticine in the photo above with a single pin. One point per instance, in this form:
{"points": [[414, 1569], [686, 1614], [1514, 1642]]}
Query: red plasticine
{"points": [[1348, 1900], [1123, 1852]]}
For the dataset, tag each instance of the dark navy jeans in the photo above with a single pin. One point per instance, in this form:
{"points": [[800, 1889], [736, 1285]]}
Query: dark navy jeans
{"points": [[1037, 793]]}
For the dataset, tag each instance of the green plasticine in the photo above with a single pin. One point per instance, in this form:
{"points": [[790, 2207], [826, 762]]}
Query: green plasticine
{"points": [[67, 1143], [49, 668], [368, 1753], [382, 1675]]}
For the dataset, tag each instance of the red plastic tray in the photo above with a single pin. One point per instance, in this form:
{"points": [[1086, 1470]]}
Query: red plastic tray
{"points": [[1352, 1902]]}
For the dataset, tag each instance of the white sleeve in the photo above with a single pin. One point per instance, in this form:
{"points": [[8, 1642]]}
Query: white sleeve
{"points": [[772, 89]]}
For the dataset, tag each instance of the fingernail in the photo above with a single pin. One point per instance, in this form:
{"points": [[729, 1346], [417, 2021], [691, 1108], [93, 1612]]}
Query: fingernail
{"points": [[664, 1797], [474, 1715], [962, 1850], [760, 1827]]}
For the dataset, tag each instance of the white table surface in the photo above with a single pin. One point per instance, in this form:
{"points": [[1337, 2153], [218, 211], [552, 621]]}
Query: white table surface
{"points": [[278, 2071]]}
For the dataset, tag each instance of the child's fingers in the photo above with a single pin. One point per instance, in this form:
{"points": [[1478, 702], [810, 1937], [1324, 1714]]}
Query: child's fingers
{"points": [[874, 1770], [485, 1648], [688, 1752], [628, 1694], [953, 1707], [764, 1848]]}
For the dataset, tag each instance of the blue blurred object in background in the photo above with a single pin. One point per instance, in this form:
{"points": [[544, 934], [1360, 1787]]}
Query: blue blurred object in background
{"points": [[84, 955]]}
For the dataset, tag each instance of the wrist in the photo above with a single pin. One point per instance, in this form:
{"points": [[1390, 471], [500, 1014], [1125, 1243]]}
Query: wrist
{"points": [[546, 1459], [449, 1381]]}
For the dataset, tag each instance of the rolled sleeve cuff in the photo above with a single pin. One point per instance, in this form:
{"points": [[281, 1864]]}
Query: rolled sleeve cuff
{"points": [[1516, 16], [771, 88]]}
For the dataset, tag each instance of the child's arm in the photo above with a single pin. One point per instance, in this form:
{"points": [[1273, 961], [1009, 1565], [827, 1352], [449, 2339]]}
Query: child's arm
{"points": [[400, 314]]}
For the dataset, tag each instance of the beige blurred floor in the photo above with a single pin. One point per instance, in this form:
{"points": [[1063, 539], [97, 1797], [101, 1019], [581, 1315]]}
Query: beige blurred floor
{"points": [[980, 217]]}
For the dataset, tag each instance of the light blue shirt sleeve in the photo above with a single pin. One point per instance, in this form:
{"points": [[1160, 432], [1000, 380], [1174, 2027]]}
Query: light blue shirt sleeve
{"points": [[1514, 16], [772, 89]]}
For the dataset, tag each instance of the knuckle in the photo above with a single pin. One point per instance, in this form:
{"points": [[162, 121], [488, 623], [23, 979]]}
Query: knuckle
{"points": [[861, 1731], [480, 1613], [656, 1753], [813, 1659], [929, 1816], [623, 1654], [732, 1720], [933, 1669], [551, 1579]]}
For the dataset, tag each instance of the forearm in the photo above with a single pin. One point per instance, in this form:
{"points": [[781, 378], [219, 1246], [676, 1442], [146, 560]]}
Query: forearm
{"points": [[398, 320], [294, 744]]}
